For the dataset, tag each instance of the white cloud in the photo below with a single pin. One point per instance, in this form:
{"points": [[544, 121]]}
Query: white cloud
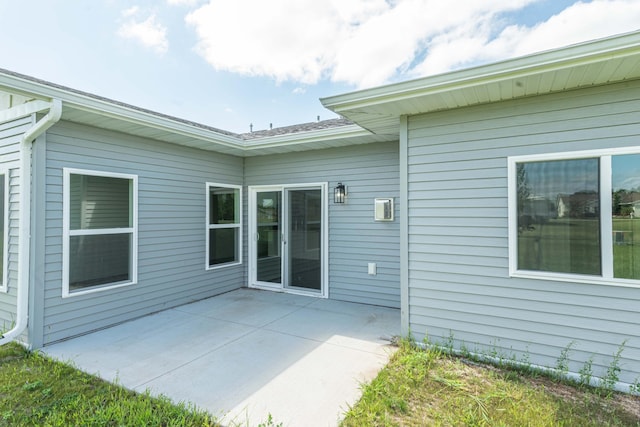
{"points": [[149, 32], [282, 39], [130, 12], [299, 91], [578, 23], [183, 2], [369, 42]]}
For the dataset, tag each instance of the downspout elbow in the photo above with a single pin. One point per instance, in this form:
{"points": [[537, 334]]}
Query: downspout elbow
{"points": [[24, 242], [52, 117]]}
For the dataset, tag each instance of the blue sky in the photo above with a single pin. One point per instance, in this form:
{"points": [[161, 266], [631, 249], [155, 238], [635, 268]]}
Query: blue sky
{"points": [[231, 63], [626, 172]]}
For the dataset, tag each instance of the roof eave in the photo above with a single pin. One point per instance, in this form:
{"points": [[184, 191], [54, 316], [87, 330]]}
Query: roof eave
{"points": [[312, 140], [538, 63], [158, 122], [347, 131], [76, 101], [109, 108]]}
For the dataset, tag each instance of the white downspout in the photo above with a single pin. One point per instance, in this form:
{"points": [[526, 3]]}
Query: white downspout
{"points": [[24, 242]]}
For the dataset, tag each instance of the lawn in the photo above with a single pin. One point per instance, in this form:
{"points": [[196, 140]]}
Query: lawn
{"points": [[416, 388], [429, 388]]}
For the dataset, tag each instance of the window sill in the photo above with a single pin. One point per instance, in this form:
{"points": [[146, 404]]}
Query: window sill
{"points": [[575, 278], [221, 266], [67, 294]]}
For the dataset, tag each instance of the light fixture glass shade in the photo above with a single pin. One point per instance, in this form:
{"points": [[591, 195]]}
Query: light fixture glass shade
{"points": [[339, 192]]}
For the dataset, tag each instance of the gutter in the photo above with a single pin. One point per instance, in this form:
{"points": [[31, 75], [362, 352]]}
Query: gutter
{"points": [[24, 243]]}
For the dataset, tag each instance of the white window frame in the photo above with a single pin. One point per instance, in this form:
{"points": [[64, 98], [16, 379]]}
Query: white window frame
{"points": [[4, 286], [67, 233], [606, 220], [209, 226]]}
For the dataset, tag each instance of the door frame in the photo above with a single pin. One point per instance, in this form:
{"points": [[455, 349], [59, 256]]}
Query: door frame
{"points": [[252, 238]]}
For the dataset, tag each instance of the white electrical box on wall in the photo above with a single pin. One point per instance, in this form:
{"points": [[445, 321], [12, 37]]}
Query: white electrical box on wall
{"points": [[384, 209], [372, 268]]}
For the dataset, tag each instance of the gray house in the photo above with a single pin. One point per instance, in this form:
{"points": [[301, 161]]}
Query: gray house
{"points": [[416, 199]]}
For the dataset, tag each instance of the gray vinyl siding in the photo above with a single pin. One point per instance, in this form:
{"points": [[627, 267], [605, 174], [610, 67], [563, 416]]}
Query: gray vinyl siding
{"points": [[10, 137], [458, 273], [355, 239], [171, 227]]}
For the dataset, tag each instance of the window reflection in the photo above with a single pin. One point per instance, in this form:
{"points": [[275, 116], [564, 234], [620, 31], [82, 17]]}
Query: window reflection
{"points": [[625, 197], [558, 216]]}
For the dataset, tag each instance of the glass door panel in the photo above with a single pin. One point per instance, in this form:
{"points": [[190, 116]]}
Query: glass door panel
{"points": [[269, 234], [304, 243]]}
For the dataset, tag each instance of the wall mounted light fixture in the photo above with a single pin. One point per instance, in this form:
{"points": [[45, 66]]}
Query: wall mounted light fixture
{"points": [[339, 193]]}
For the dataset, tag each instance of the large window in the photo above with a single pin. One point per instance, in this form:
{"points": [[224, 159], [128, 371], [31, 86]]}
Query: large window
{"points": [[4, 227], [224, 225], [100, 230], [576, 216]]}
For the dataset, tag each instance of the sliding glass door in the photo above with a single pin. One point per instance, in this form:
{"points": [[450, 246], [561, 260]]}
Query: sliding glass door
{"points": [[269, 236], [288, 247]]}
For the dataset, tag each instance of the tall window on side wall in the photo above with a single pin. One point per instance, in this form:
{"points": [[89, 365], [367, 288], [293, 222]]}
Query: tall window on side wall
{"points": [[576, 216], [224, 225], [100, 231], [4, 229]]}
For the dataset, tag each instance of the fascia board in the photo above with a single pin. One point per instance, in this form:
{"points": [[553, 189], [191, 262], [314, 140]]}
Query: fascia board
{"points": [[549, 61], [43, 92], [132, 115], [24, 110], [343, 132], [193, 130], [109, 108]]}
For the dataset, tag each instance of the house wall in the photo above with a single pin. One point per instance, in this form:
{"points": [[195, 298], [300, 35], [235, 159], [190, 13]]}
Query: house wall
{"points": [[355, 239], [171, 227], [458, 275], [10, 136]]}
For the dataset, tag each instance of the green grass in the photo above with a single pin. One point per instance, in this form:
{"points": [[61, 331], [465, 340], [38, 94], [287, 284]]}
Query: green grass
{"points": [[427, 387], [626, 252], [36, 391]]}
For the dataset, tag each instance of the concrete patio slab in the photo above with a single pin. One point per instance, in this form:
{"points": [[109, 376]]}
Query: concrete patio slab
{"points": [[247, 354]]}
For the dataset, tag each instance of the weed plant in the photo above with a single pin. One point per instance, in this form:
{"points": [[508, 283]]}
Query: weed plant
{"points": [[613, 371]]}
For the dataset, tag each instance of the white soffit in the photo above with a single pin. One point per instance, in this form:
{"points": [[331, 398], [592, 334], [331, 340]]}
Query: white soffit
{"points": [[594, 63]]}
